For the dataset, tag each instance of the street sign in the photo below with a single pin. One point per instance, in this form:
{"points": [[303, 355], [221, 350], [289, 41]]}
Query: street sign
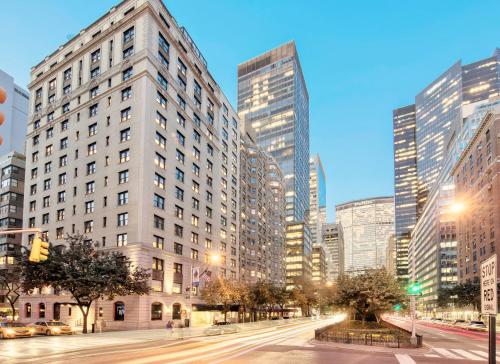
{"points": [[489, 305]]}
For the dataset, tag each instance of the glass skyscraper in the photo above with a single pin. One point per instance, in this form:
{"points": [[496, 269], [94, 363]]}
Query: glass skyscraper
{"points": [[317, 200], [405, 184], [273, 100]]}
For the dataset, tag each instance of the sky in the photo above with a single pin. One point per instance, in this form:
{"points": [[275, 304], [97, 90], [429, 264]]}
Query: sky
{"points": [[360, 59]]}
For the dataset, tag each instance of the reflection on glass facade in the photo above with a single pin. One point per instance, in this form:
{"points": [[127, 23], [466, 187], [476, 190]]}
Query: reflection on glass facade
{"points": [[367, 226], [317, 200], [440, 108], [405, 184], [333, 241], [273, 100]]}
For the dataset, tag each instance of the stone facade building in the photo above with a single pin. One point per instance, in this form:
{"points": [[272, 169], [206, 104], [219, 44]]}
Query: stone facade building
{"points": [[132, 143], [262, 216]]}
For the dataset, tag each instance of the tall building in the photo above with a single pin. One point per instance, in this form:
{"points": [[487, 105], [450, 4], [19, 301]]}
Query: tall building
{"points": [[333, 241], [434, 243], [132, 143], [367, 225], [298, 254], [318, 265], [262, 216], [273, 101], [390, 264], [405, 184], [442, 105], [15, 109], [11, 204], [317, 199], [439, 110], [477, 180]]}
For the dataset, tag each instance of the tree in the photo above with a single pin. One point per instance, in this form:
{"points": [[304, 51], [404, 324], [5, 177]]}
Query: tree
{"points": [[221, 291], [282, 297], [244, 296], [304, 295], [370, 293], [10, 285], [262, 297], [87, 273], [461, 295]]}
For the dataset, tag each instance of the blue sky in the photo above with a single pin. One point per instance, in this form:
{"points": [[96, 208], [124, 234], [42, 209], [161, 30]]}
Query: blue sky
{"points": [[361, 59]]}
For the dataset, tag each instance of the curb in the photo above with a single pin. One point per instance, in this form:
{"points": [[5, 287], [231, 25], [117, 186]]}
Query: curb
{"points": [[367, 348]]}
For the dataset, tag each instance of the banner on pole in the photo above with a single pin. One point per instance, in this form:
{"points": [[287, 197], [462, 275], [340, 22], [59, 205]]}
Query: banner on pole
{"points": [[195, 275]]}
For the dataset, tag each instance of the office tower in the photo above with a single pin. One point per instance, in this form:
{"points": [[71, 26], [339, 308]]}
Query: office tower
{"points": [[441, 106], [318, 265], [405, 184], [298, 254], [262, 216], [433, 245], [367, 225], [132, 143], [317, 199], [11, 204], [273, 100], [333, 241], [477, 179], [15, 109]]}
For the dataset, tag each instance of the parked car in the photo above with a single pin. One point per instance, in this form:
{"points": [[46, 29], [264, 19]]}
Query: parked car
{"points": [[221, 328], [458, 322], [476, 325], [437, 320], [52, 328], [15, 329]]}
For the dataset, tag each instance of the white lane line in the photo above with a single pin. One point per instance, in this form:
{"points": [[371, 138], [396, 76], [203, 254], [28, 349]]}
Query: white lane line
{"points": [[480, 353], [446, 353], [466, 354], [404, 359], [432, 355]]}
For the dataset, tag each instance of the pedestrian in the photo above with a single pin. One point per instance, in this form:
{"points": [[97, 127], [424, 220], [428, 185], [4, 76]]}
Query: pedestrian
{"points": [[170, 328]]}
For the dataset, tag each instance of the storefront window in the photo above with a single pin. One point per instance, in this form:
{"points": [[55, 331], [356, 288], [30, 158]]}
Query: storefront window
{"points": [[119, 311], [156, 311]]}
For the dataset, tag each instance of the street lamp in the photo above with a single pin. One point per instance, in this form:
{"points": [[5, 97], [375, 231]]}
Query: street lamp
{"points": [[413, 290], [457, 207]]}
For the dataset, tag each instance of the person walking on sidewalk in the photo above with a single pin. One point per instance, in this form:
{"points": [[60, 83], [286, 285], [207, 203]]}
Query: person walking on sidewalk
{"points": [[170, 328]]}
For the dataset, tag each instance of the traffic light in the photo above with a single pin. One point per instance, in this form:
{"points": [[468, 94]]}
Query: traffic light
{"points": [[39, 250], [414, 289], [3, 97], [397, 307]]}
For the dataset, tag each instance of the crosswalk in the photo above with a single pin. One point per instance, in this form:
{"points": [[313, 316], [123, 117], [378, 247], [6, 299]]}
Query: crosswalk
{"points": [[478, 355]]}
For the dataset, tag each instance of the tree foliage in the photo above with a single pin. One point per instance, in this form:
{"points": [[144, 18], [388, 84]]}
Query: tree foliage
{"points": [[10, 286], [461, 295], [370, 293], [87, 273]]}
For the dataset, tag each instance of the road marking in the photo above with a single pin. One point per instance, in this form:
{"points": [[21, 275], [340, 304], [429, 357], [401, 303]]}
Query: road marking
{"points": [[447, 353], [432, 355], [466, 354], [480, 353], [404, 359]]}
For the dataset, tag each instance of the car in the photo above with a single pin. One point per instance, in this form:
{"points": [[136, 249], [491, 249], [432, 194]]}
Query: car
{"points": [[458, 322], [476, 325], [52, 328], [221, 328], [15, 329]]}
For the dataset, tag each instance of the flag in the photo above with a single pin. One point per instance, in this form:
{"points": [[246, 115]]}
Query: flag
{"points": [[195, 276], [205, 276]]}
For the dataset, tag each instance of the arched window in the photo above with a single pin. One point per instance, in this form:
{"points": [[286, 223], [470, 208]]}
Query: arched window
{"points": [[119, 311], [27, 310], [176, 311], [41, 310], [156, 311]]}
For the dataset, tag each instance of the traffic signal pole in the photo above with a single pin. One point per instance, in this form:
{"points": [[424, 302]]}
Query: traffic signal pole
{"points": [[492, 338]]}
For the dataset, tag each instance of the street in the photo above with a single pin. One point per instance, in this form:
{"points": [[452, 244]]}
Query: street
{"points": [[290, 343]]}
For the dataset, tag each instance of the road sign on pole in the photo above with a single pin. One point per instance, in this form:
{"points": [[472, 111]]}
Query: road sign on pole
{"points": [[489, 304]]}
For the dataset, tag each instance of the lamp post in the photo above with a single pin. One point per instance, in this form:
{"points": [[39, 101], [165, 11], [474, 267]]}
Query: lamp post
{"points": [[414, 289]]}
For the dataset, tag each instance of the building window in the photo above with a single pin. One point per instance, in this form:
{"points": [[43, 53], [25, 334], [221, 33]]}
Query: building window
{"points": [[179, 212], [176, 309], [41, 310], [128, 35], [119, 311], [161, 100], [123, 177], [194, 254], [158, 201], [121, 239], [159, 181], [162, 81], [127, 73], [123, 198], [126, 114], [160, 161], [27, 310], [179, 175], [124, 155], [122, 219], [95, 72], [156, 311], [128, 52], [178, 248], [178, 230], [161, 120], [158, 242], [127, 93], [161, 141], [124, 135], [159, 222]]}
